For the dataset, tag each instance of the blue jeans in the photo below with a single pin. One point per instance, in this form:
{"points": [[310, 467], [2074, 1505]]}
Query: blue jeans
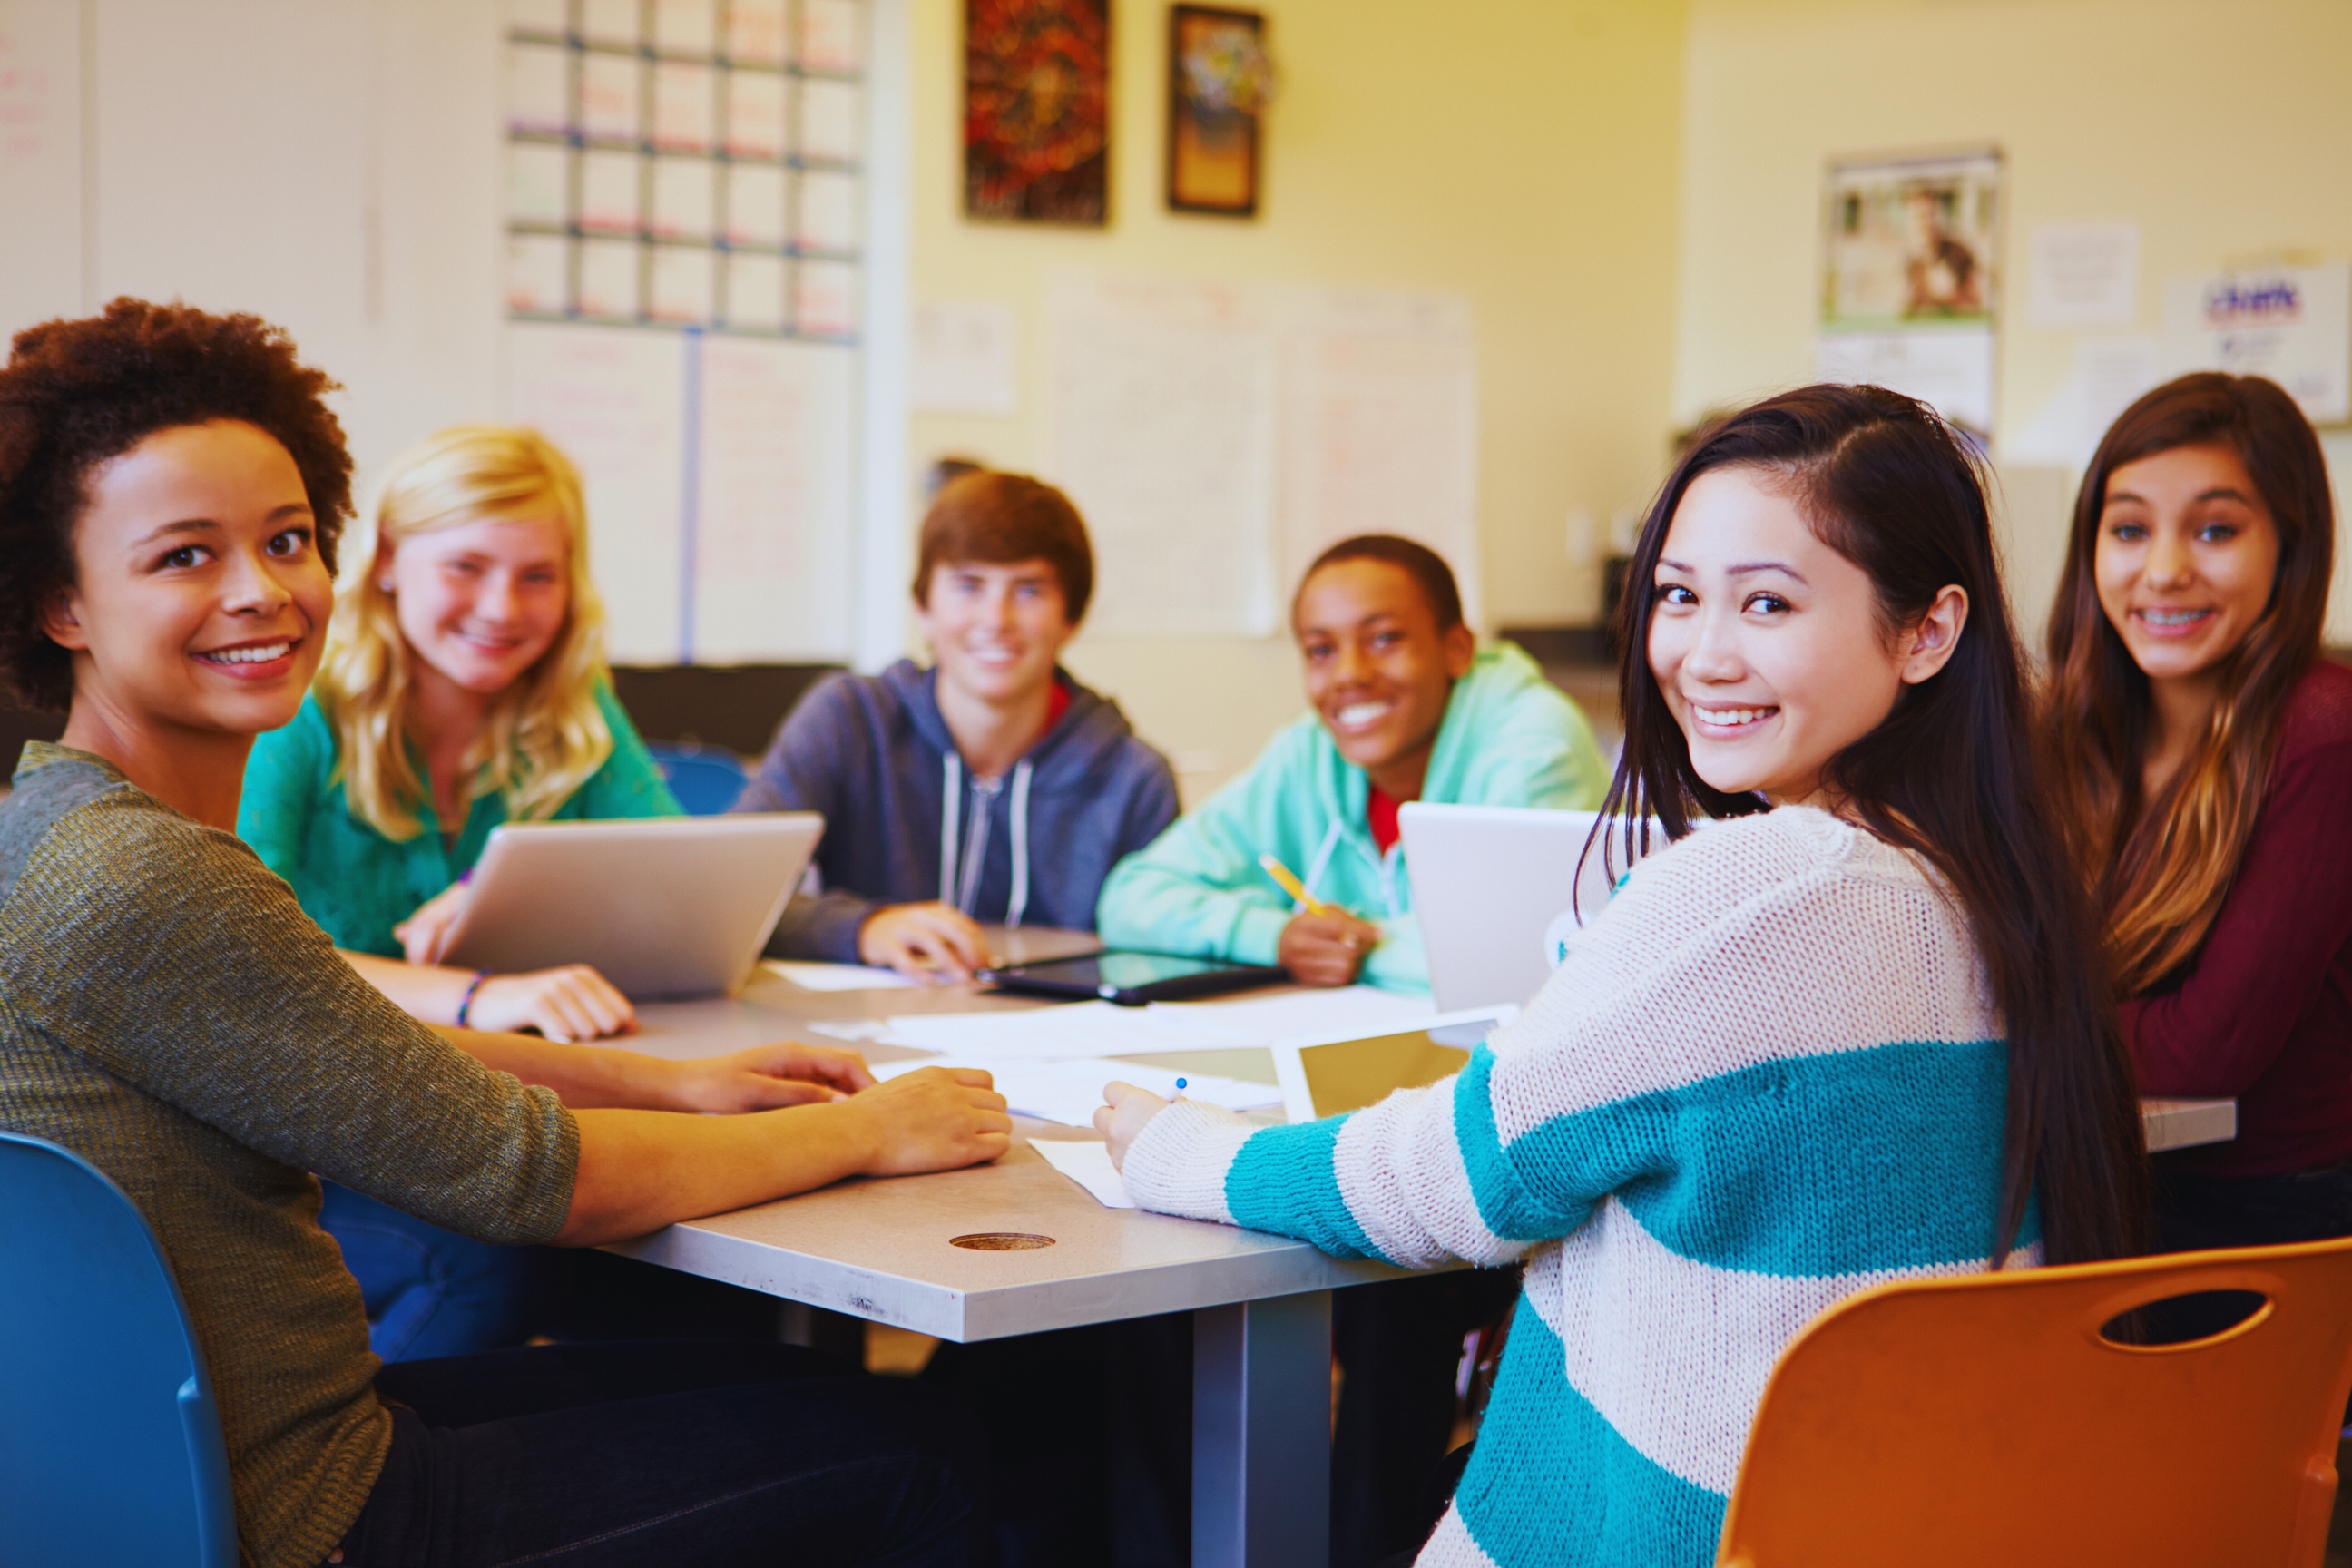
{"points": [[431, 1292], [679, 1454]]}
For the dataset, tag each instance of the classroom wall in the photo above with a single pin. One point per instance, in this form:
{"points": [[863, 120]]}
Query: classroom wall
{"points": [[2220, 127], [1520, 152]]}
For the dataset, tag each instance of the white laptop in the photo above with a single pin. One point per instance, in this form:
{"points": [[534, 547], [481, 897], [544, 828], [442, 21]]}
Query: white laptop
{"points": [[1488, 881], [666, 907], [1331, 1075]]}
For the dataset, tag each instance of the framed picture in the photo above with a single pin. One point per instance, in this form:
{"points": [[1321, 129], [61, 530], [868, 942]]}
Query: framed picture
{"points": [[1037, 109], [1907, 240], [1219, 83]]}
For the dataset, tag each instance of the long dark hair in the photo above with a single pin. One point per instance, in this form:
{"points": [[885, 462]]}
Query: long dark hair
{"points": [[1950, 774], [2160, 866]]}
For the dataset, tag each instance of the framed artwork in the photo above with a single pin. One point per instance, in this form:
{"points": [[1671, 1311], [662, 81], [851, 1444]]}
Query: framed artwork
{"points": [[1037, 109], [1219, 83], [1908, 240]]}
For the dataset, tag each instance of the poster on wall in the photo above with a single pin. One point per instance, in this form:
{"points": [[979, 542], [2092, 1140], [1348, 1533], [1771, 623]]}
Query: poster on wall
{"points": [[1909, 277], [2291, 324], [1037, 109]]}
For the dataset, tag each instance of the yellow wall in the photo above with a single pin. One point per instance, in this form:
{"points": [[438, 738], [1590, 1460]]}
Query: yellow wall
{"points": [[1521, 153], [2220, 127]]}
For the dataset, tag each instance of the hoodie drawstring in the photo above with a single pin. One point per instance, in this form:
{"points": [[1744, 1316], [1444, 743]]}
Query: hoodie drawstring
{"points": [[1322, 861], [1020, 899], [950, 815], [960, 864]]}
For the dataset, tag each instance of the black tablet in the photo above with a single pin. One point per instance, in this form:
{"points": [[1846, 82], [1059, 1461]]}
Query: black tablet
{"points": [[1131, 979]]}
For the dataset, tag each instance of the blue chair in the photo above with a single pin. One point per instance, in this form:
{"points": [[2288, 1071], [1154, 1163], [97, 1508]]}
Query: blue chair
{"points": [[111, 1445], [706, 779]]}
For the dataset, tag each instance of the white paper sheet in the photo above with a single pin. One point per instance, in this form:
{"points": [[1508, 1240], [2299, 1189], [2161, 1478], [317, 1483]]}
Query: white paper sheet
{"points": [[1081, 1031], [1088, 1165], [2085, 275], [613, 399], [1071, 1092], [835, 976], [1160, 425], [1950, 368], [2109, 374], [961, 358], [2293, 324], [774, 535]]}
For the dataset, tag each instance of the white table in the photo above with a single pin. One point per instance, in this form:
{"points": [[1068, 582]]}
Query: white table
{"points": [[1014, 1247]]}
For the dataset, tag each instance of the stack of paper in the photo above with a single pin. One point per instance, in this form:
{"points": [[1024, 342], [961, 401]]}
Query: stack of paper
{"points": [[1070, 1091]]}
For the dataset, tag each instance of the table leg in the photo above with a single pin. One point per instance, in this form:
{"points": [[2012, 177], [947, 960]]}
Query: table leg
{"points": [[1262, 1433]]}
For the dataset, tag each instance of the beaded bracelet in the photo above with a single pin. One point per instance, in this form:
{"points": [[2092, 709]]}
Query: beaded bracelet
{"points": [[466, 1003]]}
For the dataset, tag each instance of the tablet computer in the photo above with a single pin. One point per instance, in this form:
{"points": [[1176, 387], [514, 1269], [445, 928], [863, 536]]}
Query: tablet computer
{"points": [[1326, 1075], [676, 906], [1131, 979]]}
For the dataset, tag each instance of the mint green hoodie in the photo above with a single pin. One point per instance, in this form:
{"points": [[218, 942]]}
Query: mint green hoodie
{"points": [[1509, 738]]}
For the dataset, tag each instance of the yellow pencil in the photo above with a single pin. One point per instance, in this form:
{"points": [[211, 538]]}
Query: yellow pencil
{"points": [[1295, 888]]}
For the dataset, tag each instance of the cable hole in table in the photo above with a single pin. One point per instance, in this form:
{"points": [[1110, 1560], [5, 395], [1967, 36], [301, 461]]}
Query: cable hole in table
{"points": [[1000, 1241]]}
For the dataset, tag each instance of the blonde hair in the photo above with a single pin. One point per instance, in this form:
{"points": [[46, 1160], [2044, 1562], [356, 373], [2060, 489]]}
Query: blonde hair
{"points": [[544, 735]]}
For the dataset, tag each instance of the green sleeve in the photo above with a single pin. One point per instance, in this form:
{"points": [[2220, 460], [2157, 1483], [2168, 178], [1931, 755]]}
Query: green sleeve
{"points": [[285, 778], [630, 782], [1197, 890]]}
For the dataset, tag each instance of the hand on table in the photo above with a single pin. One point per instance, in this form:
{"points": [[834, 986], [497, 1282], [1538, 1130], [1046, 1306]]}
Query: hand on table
{"points": [[766, 1077], [1325, 948], [1123, 1116], [932, 1119], [424, 934], [571, 1004], [923, 942]]}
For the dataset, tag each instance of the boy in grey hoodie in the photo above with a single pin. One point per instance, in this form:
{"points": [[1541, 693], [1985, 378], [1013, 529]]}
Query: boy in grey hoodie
{"points": [[989, 788]]}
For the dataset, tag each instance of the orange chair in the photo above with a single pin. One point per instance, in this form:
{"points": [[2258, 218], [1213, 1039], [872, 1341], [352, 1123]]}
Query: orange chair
{"points": [[1986, 1420]]}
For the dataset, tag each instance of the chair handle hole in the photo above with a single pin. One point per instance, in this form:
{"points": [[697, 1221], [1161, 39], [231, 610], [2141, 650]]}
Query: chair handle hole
{"points": [[2184, 1321]]}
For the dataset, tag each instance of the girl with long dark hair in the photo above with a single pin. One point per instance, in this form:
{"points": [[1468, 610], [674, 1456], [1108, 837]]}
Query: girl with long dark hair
{"points": [[2201, 751], [1848, 1026]]}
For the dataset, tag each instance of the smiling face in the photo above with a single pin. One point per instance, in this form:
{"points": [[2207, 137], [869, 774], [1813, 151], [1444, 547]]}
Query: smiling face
{"points": [[2185, 558], [480, 602], [1379, 671], [995, 630], [1767, 644], [199, 597]]}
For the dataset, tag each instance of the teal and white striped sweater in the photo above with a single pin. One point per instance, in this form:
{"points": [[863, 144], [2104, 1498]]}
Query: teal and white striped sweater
{"points": [[1767, 1076]]}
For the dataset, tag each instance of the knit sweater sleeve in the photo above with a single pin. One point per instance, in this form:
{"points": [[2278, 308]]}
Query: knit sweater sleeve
{"points": [[1584, 1096], [220, 998]]}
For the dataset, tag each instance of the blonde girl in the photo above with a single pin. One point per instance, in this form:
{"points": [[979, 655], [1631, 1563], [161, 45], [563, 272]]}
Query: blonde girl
{"points": [[464, 686]]}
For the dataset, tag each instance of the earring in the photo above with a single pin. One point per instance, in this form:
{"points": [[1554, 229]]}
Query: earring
{"points": [[383, 585]]}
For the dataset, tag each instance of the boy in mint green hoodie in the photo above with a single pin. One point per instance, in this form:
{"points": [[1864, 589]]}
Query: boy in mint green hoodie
{"points": [[1407, 707]]}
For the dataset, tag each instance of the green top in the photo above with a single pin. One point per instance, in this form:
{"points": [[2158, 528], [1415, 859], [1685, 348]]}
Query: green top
{"points": [[168, 1014], [1509, 737], [358, 884]]}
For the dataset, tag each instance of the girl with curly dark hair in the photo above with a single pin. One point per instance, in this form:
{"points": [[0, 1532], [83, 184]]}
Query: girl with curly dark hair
{"points": [[172, 490]]}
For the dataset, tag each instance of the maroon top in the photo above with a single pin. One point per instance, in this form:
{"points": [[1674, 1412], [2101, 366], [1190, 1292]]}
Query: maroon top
{"points": [[2264, 1013]]}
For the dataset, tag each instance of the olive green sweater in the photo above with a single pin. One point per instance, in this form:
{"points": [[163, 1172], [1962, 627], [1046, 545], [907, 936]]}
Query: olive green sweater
{"points": [[168, 1013]]}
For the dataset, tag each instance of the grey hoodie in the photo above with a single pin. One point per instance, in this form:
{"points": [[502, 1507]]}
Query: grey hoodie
{"points": [[905, 822]]}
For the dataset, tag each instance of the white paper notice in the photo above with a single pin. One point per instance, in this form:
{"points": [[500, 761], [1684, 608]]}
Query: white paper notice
{"points": [[1951, 370], [1088, 1165], [2085, 275], [773, 525], [614, 400], [40, 162], [1379, 425], [1161, 428], [2109, 374], [2293, 324], [961, 358]]}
